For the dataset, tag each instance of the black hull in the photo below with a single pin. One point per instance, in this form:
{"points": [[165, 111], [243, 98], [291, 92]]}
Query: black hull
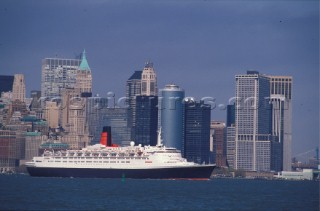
{"points": [[195, 172]]}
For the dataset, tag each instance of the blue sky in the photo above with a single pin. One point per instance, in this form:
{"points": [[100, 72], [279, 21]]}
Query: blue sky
{"points": [[199, 45]]}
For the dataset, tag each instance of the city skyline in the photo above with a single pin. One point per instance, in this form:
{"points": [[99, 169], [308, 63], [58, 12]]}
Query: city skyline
{"points": [[274, 38]]}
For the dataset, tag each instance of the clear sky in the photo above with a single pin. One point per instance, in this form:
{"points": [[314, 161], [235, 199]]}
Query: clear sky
{"points": [[199, 45]]}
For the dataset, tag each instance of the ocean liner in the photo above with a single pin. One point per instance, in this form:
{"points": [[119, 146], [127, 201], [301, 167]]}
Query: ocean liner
{"points": [[106, 160]]}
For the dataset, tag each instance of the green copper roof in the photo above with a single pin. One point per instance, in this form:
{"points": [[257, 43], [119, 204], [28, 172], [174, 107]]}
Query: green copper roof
{"points": [[84, 63]]}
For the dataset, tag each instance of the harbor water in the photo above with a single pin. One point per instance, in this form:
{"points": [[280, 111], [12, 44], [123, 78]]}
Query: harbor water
{"points": [[22, 192]]}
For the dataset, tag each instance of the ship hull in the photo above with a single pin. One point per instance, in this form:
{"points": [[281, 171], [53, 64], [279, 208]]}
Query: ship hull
{"points": [[194, 172]]}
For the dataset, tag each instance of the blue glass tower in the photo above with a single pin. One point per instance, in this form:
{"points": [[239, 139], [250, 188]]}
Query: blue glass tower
{"points": [[171, 116]]}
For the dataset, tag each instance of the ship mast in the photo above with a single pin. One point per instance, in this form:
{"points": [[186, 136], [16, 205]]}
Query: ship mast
{"points": [[159, 140]]}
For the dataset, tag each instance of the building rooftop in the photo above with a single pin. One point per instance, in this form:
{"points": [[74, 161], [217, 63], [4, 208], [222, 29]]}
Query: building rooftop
{"points": [[84, 63], [136, 75]]}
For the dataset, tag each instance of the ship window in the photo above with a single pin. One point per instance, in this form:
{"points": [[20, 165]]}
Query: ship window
{"points": [[122, 161], [127, 161], [89, 161]]}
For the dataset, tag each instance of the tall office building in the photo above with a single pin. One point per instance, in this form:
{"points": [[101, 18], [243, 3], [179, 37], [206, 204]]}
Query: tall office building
{"points": [[281, 97], [68, 95], [51, 114], [230, 135], [96, 108], [117, 119], [146, 120], [149, 81], [77, 135], [231, 115], [84, 76], [197, 131], [171, 116], [218, 133], [58, 74], [6, 83], [133, 89], [19, 88], [231, 140], [253, 122]]}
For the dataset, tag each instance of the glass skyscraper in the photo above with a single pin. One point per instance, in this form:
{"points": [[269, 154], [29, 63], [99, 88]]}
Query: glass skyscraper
{"points": [[197, 132], [96, 108], [171, 116], [146, 120], [117, 118]]}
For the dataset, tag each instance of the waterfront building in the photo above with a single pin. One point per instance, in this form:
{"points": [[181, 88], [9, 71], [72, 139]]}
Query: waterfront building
{"points": [[145, 130], [6, 83], [117, 119], [53, 145], [32, 145], [281, 99], [171, 116], [231, 136], [96, 108], [19, 88], [196, 147], [149, 80], [253, 122], [58, 74], [11, 149], [306, 174], [217, 136]]}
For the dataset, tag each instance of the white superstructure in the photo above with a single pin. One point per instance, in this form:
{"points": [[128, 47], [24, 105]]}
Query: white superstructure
{"points": [[100, 156]]}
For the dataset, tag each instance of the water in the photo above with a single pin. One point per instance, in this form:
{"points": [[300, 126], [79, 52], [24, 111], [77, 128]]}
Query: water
{"points": [[22, 192]]}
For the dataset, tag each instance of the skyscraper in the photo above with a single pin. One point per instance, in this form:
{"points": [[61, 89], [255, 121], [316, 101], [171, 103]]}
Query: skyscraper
{"points": [[6, 83], [96, 108], [149, 81], [133, 89], [141, 83], [58, 74], [146, 120], [51, 114], [219, 141], [197, 131], [253, 122], [117, 119], [281, 97], [84, 76], [19, 88], [171, 116]]}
